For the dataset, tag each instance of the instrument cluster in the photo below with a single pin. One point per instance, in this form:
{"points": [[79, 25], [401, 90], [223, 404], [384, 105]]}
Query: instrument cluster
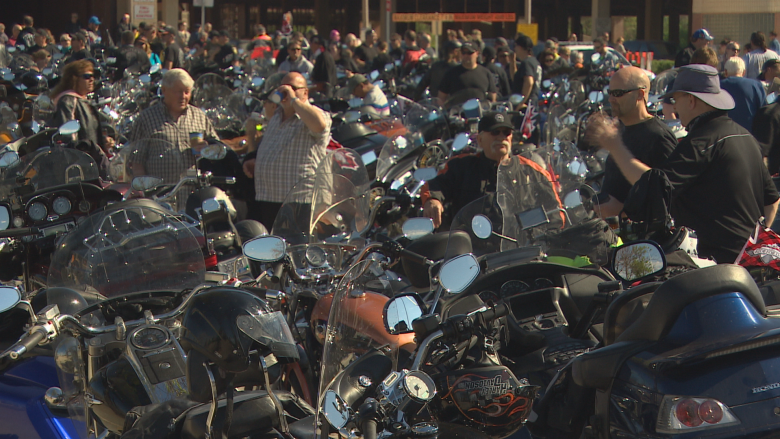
{"points": [[52, 206]]}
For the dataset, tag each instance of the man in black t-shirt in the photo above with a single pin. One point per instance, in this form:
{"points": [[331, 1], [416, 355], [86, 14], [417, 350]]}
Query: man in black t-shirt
{"points": [[529, 72], [78, 48], [649, 139], [433, 77], [366, 52], [173, 57], [323, 76], [720, 186], [226, 56], [468, 75], [499, 74]]}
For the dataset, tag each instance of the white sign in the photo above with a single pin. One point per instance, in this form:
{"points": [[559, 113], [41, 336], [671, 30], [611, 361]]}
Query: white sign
{"points": [[144, 12], [200, 3]]}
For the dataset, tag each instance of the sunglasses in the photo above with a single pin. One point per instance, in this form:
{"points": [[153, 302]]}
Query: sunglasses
{"points": [[88, 76], [295, 88], [506, 132], [294, 49], [616, 93]]}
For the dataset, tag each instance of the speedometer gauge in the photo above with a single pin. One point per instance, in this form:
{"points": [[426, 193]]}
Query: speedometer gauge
{"points": [[37, 211], [61, 205], [150, 337], [419, 386], [513, 287], [316, 256]]}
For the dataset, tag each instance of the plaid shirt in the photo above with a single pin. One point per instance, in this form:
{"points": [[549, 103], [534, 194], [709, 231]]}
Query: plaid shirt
{"points": [[289, 152], [158, 157]]}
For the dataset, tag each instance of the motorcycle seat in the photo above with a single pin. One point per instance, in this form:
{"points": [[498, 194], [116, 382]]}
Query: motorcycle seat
{"points": [[674, 295], [303, 428], [253, 411], [434, 247]]}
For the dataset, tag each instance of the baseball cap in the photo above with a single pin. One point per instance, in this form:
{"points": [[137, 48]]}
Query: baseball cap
{"points": [[224, 33], [489, 52], [355, 80], [79, 36], [702, 33], [213, 34], [167, 30], [452, 45], [703, 82], [468, 47], [501, 41], [769, 63], [493, 120], [94, 20], [64, 37]]}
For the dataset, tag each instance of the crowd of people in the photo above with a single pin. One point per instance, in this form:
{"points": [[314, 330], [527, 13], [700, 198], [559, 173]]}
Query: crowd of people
{"points": [[721, 185]]}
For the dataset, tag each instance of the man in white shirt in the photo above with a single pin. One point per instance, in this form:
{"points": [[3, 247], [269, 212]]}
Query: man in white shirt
{"points": [[755, 60], [372, 95]]}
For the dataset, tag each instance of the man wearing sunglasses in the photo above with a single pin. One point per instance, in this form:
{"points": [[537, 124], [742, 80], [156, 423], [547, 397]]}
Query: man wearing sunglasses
{"points": [[720, 186], [648, 138], [468, 177]]}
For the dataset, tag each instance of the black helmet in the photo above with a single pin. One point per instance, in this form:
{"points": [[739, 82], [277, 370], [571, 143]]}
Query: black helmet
{"points": [[223, 323], [33, 82]]}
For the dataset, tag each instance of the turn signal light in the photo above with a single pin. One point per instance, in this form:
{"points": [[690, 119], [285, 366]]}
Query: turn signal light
{"points": [[680, 414]]}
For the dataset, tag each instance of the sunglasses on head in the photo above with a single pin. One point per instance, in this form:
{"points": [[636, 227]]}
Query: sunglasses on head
{"points": [[501, 131], [88, 76], [616, 93]]}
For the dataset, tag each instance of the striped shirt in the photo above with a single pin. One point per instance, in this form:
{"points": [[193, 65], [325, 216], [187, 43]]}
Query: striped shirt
{"points": [[289, 152], [155, 136], [377, 100]]}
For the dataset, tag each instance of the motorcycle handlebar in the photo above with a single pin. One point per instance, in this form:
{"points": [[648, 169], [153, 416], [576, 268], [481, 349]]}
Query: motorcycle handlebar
{"points": [[393, 246], [28, 342], [16, 233], [223, 180], [369, 429]]}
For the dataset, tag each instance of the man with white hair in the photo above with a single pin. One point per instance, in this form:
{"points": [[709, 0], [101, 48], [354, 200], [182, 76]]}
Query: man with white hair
{"points": [[170, 123], [748, 94]]}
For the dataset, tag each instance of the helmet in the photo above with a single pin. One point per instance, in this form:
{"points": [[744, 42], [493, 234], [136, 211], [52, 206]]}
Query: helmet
{"points": [[33, 83], [221, 326]]}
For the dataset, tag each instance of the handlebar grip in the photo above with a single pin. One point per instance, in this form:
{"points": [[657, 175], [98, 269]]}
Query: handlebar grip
{"points": [[369, 429], [414, 257], [223, 180], [496, 312], [23, 231], [27, 343], [278, 270]]}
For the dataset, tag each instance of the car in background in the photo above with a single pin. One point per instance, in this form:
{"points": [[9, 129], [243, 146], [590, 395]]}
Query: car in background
{"points": [[660, 49]]}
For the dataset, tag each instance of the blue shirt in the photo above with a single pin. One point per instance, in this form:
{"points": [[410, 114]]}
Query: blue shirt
{"points": [[774, 45], [749, 96]]}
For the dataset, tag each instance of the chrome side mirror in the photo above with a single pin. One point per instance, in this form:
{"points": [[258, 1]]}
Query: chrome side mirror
{"points": [[145, 183], [265, 248], [637, 260], [5, 217], [9, 298], [458, 273], [216, 151], [8, 158], [415, 228], [461, 141], [481, 226], [425, 174], [335, 410], [400, 312]]}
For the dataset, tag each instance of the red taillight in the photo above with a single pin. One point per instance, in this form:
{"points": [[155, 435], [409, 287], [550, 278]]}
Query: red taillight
{"points": [[710, 412], [687, 413]]}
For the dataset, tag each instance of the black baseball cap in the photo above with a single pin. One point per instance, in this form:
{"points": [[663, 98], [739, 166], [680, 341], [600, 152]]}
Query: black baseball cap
{"points": [[167, 30], [224, 33], [468, 47], [493, 120], [769, 63]]}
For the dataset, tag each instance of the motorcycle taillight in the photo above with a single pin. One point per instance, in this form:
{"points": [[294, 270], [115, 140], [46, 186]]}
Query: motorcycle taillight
{"points": [[679, 414]]}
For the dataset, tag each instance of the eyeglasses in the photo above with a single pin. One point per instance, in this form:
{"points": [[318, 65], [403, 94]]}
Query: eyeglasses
{"points": [[617, 93], [88, 76], [549, 60], [506, 132]]}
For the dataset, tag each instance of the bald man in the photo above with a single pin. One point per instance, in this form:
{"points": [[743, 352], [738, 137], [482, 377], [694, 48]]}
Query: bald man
{"points": [[294, 141], [648, 138]]}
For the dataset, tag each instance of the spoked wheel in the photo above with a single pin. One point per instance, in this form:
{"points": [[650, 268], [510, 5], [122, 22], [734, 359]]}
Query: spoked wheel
{"points": [[433, 156]]}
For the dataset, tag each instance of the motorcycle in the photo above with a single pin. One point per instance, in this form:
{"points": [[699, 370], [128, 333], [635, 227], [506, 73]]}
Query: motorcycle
{"points": [[698, 372], [450, 384]]}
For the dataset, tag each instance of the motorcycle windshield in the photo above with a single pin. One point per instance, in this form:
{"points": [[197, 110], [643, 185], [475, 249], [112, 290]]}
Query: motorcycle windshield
{"points": [[329, 207], [394, 149], [129, 247], [539, 201], [46, 168], [661, 84], [350, 335]]}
